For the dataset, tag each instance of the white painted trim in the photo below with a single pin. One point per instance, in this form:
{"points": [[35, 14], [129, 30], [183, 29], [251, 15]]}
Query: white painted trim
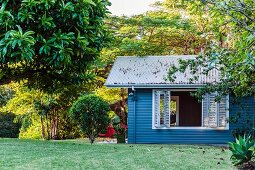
{"points": [[153, 109], [218, 113], [191, 90], [227, 111], [157, 86], [177, 109], [169, 110], [192, 127], [153, 106], [173, 90], [202, 113]]}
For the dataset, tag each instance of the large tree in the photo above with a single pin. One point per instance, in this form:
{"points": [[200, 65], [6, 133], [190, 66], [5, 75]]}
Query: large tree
{"points": [[155, 33], [234, 53], [50, 43]]}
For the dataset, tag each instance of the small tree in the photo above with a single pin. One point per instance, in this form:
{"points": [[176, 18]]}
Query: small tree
{"points": [[90, 112]]}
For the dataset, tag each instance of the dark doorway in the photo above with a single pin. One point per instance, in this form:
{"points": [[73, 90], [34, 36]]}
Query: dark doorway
{"points": [[190, 110]]}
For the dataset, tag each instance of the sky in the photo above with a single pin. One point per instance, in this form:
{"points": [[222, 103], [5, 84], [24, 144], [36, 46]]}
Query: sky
{"points": [[130, 7]]}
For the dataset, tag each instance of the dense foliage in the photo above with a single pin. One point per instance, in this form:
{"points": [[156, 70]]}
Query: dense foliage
{"points": [[6, 94], [50, 43], [90, 112], [41, 115], [9, 129], [164, 31], [233, 53], [9, 124]]}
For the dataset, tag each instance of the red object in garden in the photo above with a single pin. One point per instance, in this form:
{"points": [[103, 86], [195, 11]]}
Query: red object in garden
{"points": [[109, 134]]}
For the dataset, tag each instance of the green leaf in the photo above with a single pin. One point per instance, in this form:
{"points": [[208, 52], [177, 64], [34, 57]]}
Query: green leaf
{"points": [[89, 2]]}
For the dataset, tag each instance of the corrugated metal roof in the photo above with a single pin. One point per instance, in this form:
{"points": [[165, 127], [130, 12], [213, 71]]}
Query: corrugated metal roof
{"points": [[151, 71]]}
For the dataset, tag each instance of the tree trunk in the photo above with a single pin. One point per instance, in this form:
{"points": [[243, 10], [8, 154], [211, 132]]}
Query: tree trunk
{"points": [[43, 128], [54, 127], [47, 128], [50, 127], [91, 136]]}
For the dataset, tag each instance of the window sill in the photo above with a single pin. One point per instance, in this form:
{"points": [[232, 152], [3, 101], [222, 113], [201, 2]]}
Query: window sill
{"points": [[191, 128]]}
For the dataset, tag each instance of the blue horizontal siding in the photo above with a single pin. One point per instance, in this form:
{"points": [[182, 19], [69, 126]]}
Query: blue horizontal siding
{"points": [[140, 123]]}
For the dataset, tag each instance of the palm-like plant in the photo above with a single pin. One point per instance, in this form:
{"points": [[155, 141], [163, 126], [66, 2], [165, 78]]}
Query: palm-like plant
{"points": [[242, 150]]}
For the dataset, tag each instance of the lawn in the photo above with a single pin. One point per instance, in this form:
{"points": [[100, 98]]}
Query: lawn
{"points": [[79, 154]]}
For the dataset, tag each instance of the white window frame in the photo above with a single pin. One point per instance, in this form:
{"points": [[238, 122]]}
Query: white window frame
{"points": [[153, 108], [177, 108], [190, 127]]}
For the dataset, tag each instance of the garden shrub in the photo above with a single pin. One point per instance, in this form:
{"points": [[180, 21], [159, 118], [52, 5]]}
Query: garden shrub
{"points": [[91, 114], [70, 130], [242, 150], [32, 132], [30, 127], [8, 129]]}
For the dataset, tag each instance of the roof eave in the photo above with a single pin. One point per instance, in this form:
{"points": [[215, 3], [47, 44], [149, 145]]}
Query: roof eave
{"points": [[177, 86]]}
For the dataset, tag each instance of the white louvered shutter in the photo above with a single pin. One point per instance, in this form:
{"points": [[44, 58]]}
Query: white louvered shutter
{"points": [[222, 112], [213, 111], [156, 109], [205, 109], [167, 97]]}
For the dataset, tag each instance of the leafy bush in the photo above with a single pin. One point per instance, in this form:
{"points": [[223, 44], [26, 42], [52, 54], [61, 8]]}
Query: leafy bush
{"points": [[8, 128], [32, 132], [91, 113], [70, 130], [5, 95], [242, 150]]}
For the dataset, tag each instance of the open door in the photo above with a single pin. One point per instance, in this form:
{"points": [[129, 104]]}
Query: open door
{"points": [[174, 110]]}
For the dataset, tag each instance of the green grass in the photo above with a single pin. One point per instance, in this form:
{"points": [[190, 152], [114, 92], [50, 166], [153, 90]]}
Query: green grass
{"points": [[79, 154]]}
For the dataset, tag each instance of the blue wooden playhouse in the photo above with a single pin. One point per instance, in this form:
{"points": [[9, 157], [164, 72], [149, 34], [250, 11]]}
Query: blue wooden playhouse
{"points": [[160, 111]]}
